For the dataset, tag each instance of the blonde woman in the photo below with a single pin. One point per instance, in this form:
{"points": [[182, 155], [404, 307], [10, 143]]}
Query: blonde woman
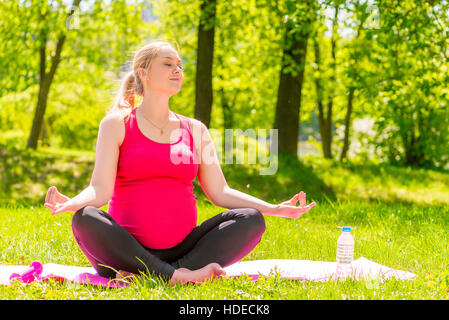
{"points": [[151, 223]]}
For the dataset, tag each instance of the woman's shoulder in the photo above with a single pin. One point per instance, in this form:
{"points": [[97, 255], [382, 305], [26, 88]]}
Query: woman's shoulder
{"points": [[196, 124], [196, 129], [114, 123], [113, 119]]}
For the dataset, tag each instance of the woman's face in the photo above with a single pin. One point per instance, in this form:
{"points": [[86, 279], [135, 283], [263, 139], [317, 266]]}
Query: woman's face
{"points": [[165, 75]]}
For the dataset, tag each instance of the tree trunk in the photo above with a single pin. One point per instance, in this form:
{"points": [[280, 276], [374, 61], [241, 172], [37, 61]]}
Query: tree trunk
{"points": [[289, 91], [226, 107], [327, 138], [206, 34], [414, 153], [226, 103], [323, 119], [353, 67], [45, 81], [325, 116], [345, 149]]}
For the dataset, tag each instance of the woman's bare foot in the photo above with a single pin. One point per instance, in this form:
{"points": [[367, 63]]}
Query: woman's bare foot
{"points": [[183, 275]]}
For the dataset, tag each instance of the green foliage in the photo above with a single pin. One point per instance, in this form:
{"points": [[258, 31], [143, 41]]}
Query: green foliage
{"points": [[72, 118], [394, 55], [397, 68], [97, 42], [411, 101]]}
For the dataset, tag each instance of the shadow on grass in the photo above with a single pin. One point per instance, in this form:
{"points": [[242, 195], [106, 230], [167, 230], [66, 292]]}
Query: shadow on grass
{"points": [[26, 175], [373, 212], [291, 177], [383, 182]]}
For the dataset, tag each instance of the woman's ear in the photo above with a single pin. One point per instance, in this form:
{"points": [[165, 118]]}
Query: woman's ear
{"points": [[141, 72]]}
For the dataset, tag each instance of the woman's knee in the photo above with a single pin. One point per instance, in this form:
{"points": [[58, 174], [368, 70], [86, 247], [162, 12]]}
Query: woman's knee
{"points": [[83, 217], [256, 220]]}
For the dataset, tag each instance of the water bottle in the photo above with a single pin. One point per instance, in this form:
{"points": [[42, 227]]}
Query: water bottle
{"points": [[345, 254]]}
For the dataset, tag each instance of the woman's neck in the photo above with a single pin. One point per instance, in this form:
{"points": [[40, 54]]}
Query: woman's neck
{"points": [[155, 107]]}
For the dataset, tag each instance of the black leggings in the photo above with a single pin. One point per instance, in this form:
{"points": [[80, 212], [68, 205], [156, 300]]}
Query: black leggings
{"points": [[225, 239]]}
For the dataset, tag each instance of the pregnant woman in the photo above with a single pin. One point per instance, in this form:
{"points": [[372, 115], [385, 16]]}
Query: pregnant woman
{"points": [[151, 223]]}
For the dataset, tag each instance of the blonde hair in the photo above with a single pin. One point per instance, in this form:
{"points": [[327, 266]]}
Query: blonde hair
{"points": [[131, 84]]}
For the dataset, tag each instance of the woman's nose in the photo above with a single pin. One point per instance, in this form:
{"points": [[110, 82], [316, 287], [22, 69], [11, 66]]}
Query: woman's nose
{"points": [[177, 71]]}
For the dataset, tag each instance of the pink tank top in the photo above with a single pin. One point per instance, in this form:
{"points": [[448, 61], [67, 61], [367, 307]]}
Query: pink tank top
{"points": [[153, 193]]}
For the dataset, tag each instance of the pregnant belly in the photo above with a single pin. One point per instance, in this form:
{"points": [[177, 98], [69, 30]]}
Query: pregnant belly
{"points": [[159, 215]]}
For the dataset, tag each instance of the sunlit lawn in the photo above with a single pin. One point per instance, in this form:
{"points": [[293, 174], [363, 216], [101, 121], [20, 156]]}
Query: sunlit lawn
{"points": [[404, 237], [400, 218]]}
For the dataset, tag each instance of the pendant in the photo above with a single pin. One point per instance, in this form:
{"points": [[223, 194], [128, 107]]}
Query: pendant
{"points": [[162, 132]]}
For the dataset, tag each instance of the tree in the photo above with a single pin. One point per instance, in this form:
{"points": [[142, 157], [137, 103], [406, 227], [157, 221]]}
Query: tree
{"points": [[205, 57], [325, 110], [298, 25], [412, 102], [357, 51], [46, 43], [46, 77], [245, 67]]}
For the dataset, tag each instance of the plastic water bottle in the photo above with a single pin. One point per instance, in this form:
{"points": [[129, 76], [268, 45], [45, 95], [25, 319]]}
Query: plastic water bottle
{"points": [[345, 254]]}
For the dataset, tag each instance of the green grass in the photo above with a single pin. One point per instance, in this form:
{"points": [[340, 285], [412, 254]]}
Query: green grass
{"points": [[405, 237], [400, 218]]}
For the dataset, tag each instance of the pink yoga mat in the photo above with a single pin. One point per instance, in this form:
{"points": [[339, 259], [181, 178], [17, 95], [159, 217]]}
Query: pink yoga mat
{"points": [[286, 268]]}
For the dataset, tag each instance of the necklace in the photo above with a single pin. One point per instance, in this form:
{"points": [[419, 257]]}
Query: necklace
{"points": [[160, 128]]}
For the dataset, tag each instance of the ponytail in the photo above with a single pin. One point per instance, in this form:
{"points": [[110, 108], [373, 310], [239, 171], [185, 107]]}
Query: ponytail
{"points": [[125, 97]]}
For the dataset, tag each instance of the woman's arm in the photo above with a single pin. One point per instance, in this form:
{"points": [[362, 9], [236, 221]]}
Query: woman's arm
{"points": [[231, 198], [91, 196], [213, 182], [100, 189]]}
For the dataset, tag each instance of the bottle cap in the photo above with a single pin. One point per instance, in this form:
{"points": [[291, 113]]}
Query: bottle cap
{"points": [[346, 229]]}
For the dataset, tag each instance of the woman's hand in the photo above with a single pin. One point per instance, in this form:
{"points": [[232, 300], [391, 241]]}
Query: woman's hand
{"points": [[288, 209], [57, 202]]}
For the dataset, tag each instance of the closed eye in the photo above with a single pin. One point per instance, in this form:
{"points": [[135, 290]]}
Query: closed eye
{"points": [[180, 66]]}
